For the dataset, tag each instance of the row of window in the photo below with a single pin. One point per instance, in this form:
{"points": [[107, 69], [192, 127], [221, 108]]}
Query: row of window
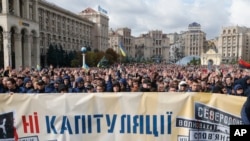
{"points": [[55, 24]]}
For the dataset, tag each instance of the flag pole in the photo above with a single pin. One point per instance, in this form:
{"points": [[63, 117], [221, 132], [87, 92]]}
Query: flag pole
{"points": [[120, 53]]}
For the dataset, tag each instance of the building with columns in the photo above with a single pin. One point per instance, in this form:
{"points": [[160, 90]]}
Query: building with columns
{"points": [[194, 40], [62, 28], [100, 28], [28, 27], [152, 46], [19, 30]]}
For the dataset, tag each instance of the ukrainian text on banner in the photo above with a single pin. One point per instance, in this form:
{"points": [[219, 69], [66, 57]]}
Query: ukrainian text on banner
{"points": [[124, 116]]}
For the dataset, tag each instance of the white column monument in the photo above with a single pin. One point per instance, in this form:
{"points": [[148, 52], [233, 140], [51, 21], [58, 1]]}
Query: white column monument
{"points": [[83, 50]]}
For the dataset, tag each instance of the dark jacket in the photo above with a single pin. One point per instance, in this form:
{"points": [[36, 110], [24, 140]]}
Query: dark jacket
{"points": [[242, 82], [245, 112]]}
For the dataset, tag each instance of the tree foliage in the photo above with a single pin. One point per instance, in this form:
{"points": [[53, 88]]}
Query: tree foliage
{"points": [[58, 57]]}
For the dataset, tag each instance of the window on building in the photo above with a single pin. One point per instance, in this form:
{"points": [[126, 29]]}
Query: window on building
{"points": [[31, 11], [11, 6], [21, 8], [1, 6]]}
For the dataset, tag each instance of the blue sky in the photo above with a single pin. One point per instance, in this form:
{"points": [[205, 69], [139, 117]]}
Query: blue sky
{"points": [[169, 16]]}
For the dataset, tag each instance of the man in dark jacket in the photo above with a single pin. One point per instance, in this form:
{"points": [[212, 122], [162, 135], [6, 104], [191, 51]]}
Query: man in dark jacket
{"points": [[245, 83], [245, 112]]}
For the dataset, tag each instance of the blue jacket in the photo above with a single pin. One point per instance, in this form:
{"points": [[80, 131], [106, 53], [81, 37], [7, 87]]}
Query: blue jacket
{"points": [[109, 85], [243, 82]]}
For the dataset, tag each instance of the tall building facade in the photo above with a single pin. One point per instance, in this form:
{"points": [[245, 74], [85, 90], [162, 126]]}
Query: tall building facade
{"points": [[100, 29], [194, 40], [28, 27], [152, 46], [234, 43], [121, 36], [62, 28], [19, 33]]}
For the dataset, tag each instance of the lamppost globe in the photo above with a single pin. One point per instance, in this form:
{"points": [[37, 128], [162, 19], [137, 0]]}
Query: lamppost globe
{"points": [[84, 50]]}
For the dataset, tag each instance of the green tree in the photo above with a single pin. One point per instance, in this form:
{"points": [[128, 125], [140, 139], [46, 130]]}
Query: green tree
{"points": [[61, 56], [92, 58], [51, 55], [111, 55], [77, 60]]}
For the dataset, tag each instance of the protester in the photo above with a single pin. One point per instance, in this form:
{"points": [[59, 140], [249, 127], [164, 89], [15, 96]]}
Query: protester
{"points": [[245, 112], [131, 78]]}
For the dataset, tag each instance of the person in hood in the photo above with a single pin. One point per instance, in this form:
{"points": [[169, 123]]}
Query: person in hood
{"points": [[244, 82], [238, 90], [67, 83], [27, 85], [79, 86]]}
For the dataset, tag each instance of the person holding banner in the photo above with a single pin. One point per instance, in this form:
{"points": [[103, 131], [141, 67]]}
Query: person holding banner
{"points": [[245, 112]]}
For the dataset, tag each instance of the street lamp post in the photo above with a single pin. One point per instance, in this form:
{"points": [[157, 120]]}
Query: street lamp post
{"points": [[83, 50]]}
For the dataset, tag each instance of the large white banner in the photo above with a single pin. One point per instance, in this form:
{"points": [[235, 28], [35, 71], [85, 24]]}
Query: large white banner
{"points": [[118, 116]]}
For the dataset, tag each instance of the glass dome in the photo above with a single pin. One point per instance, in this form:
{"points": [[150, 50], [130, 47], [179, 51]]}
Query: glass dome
{"points": [[186, 60]]}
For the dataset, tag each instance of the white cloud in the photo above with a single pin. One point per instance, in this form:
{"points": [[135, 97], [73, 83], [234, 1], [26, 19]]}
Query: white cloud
{"points": [[240, 13], [167, 15]]}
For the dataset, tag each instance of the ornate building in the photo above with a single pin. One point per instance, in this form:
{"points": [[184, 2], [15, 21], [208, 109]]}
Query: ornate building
{"points": [[28, 27], [152, 46], [121, 36], [233, 43], [194, 40], [19, 33], [100, 28]]}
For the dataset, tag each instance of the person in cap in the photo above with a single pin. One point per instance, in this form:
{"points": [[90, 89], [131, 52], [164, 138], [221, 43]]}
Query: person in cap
{"points": [[40, 87], [56, 86], [182, 87]]}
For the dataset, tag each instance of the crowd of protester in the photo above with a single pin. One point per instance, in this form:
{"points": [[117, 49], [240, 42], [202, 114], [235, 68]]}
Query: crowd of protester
{"points": [[223, 79]]}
